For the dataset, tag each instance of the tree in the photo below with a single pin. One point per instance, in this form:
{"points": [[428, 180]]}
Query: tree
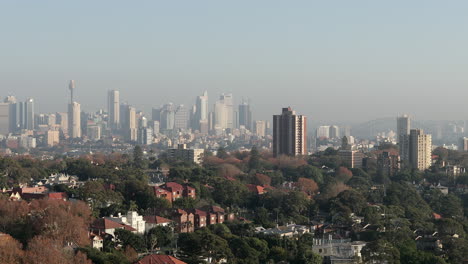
{"points": [[343, 174], [160, 236], [127, 238], [380, 251], [307, 185], [10, 250], [221, 153], [138, 160], [254, 161]]}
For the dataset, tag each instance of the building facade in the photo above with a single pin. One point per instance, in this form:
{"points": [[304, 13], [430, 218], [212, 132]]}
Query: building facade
{"points": [[289, 134]]}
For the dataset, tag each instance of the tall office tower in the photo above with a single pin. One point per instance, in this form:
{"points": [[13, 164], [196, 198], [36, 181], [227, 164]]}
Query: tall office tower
{"points": [[113, 104], [403, 132], [323, 132], [181, 118], [62, 120], [463, 144], [220, 115], [12, 113], [94, 132], [155, 127], [74, 120], [4, 119], [156, 114], [142, 122], [52, 138], [420, 149], [167, 117], [334, 131], [245, 115], [29, 114], [289, 133], [129, 123], [229, 105], [260, 128], [201, 109], [145, 136], [71, 87]]}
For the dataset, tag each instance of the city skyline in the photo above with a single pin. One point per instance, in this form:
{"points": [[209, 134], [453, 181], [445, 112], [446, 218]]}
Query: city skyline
{"points": [[327, 57]]}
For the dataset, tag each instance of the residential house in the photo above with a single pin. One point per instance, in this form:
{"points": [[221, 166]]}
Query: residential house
{"points": [[153, 221]]}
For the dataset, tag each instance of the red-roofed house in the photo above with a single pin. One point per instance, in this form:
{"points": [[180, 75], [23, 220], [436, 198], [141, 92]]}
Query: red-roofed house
{"points": [[172, 191], [159, 259], [57, 196], [184, 220], [106, 226], [154, 221], [257, 189]]}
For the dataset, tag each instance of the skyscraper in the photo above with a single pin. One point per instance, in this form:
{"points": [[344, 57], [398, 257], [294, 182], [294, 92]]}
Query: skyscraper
{"points": [[129, 122], [334, 131], [74, 120], [245, 115], [29, 114], [181, 118], [403, 132], [420, 149], [201, 110], [167, 117], [74, 114], [4, 119], [113, 104], [289, 134], [323, 132], [229, 105]]}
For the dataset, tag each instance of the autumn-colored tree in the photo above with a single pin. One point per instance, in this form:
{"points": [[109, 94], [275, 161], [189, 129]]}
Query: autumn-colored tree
{"points": [[228, 171], [42, 250], [10, 250], [343, 174], [308, 186], [62, 221], [333, 189], [262, 179]]}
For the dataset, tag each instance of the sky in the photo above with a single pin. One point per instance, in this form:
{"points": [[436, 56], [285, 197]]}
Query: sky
{"points": [[333, 61]]}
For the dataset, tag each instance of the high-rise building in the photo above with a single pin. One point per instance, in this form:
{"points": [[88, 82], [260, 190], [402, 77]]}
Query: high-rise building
{"points": [[74, 120], [334, 131], [29, 114], [129, 122], [403, 132], [228, 101], [201, 110], [167, 117], [181, 118], [323, 132], [260, 128], [289, 133], [52, 138], [113, 104], [245, 116], [4, 119], [62, 120], [224, 112], [463, 145], [220, 115], [94, 132], [420, 149], [388, 163]]}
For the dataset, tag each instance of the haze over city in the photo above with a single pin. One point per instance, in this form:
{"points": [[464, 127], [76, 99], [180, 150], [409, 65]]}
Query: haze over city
{"points": [[352, 62]]}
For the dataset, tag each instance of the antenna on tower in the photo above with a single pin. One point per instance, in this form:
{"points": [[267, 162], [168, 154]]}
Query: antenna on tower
{"points": [[71, 87]]}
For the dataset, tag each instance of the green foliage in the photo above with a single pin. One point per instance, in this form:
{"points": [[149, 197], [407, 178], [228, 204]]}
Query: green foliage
{"points": [[127, 238]]}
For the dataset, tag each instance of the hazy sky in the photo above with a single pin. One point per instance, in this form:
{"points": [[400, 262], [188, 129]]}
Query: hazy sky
{"points": [[331, 60]]}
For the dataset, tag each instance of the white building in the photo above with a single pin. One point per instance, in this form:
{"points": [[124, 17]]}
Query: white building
{"points": [[341, 251], [183, 153]]}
